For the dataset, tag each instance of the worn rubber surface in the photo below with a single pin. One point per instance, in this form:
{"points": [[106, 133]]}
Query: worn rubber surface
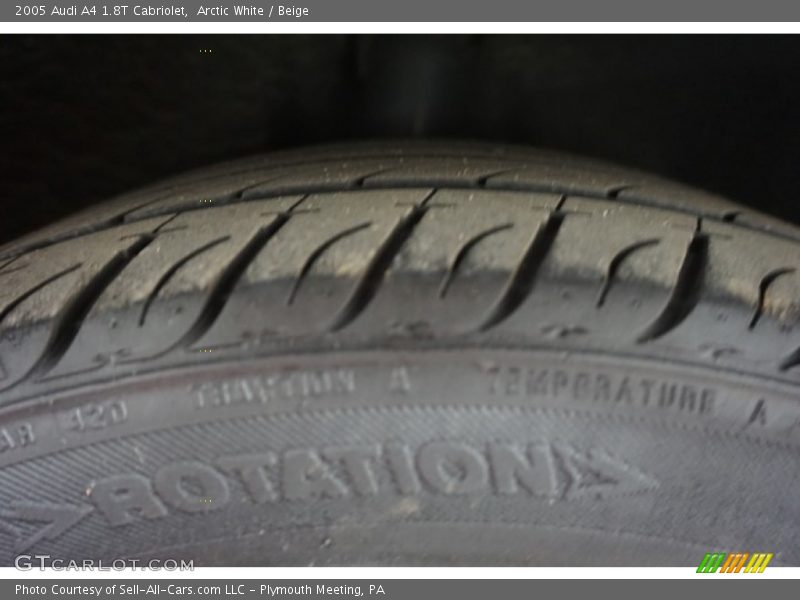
{"points": [[417, 354]]}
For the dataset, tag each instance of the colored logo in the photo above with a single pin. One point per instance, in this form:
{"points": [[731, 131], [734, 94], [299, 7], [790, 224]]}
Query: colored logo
{"points": [[735, 562]]}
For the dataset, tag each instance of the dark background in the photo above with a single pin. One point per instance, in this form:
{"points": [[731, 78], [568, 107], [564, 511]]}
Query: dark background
{"points": [[87, 117]]}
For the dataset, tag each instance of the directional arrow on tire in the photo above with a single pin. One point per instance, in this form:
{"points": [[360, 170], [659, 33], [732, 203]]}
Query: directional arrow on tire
{"points": [[55, 519]]}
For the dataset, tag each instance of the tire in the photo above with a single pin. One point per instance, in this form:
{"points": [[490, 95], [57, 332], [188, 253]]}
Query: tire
{"points": [[423, 354]]}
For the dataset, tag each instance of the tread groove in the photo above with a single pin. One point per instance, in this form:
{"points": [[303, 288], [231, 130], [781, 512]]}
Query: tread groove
{"points": [[790, 361], [70, 319], [223, 287], [615, 264], [614, 192], [171, 271], [31, 291], [763, 287], [315, 255], [686, 291], [523, 279], [361, 181], [4, 267], [483, 180], [14, 270], [374, 272], [462, 254]]}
